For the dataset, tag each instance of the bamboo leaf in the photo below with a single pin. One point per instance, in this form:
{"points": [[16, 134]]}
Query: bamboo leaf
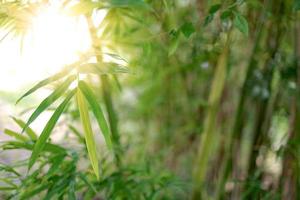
{"points": [[3, 188], [116, 56], [214, 8], [16, 135], [208, 19], [54, 148], [49, 100], [29, 146], [296, 5], [8, 182], [29, 131], [77, 133], [87, 182], [8, 168], [187, 29], [57, 160], [106, 68], [241, 23], [71, 192], [40, 144], [129, 3], [29, 193], [91, 98], [89, 136], [174, 43], [48, 80]]}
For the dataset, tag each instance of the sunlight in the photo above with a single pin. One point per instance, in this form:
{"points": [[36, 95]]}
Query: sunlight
{"points": [[54, 41], [58, 38]]}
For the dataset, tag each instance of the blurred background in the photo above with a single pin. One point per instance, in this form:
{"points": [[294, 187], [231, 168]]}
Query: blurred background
{"points": [[207, 108]]}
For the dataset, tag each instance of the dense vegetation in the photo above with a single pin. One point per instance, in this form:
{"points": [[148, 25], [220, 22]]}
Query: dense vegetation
{"points": [[198, 100]]}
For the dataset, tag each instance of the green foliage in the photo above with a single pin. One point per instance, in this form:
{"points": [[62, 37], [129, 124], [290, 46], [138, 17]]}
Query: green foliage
{"points": [[187, 29], [185, 110], [28, 130], [41, 142], [58, 92], [89, 135], [47, 81], [241, 23], [91, 98]]}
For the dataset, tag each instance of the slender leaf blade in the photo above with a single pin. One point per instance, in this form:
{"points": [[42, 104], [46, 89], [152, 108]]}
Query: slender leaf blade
{"points": [[89, 136], [58, 92], [77, 133], [16, 135], [46, 81], [91, 98], [57, 160], [41, 142], [29, 131], [71, 192]]}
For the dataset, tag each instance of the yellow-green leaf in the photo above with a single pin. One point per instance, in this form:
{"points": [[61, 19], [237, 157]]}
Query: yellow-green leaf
{"points": [[29, 131], [92, 100], [41, 142], [58, 92], [89, 136], [16, 135], [48, 80], [241, 23]]}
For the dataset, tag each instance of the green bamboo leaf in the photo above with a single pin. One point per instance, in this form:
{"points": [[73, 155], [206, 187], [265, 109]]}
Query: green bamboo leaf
{"points": [[52, 148], [16, 145], [8, 182], [87, 182], [36, 190], [29, 131], [129, 3], [8, 168], [40, 144], [187, 29], [3, 188], [71, 192], [116, 56], [16, 135], [241, 23], [117, 82], [174, 43], [58, 187], [106, 68], [296, 5], [91, 98], [58, 92], [77, 133], [214, 8], [56, 162], [225, 15], [89, 136], [208, 19], [48, 80]]}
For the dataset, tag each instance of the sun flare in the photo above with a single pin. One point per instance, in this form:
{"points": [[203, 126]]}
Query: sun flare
{"points": [[54, 40], [58, 38]]}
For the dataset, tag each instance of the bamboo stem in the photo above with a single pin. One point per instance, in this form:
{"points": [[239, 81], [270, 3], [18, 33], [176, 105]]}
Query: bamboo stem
{"points": [[209, 132]]}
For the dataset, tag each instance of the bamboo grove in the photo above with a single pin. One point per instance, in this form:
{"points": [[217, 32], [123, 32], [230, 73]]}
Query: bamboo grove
{"points": [[198, 100]]}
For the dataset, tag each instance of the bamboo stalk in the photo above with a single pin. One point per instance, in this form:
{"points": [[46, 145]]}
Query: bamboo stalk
{"points": [[290, 177], [275, 36], [210, 132], [235, 134]]}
